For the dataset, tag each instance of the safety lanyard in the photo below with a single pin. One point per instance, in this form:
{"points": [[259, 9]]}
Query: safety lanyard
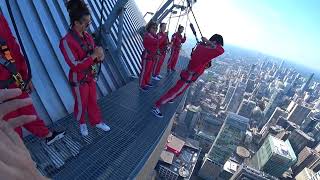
{"points": [[7, 61], [87, 47]]}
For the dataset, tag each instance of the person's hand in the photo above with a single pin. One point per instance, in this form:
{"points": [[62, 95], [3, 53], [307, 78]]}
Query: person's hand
{"points": [[29, 87], [97, 53], [204, 39], [100, 53], [15, 160]]}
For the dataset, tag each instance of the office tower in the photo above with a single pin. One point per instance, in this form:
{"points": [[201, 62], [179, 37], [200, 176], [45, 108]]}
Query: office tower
{"points": [[275, 101], [299, 140], [192, 116], [274, 157], [310, 123], [230, 91], [278, 112], [307, 158], [250, 86], [307, 84], [305, 174], [246, 108], [298, 114], [229, 137], [236, 98], [245, 172], [316, 176], [260, 90]]}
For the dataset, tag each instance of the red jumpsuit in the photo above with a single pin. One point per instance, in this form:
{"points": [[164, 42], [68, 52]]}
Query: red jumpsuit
{"points": [[163, 46], [36, 127], [177, 41], [200, 58], [149, 55], [81, 76]]}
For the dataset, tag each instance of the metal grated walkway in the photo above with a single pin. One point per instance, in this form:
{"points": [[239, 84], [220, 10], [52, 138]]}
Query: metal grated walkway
{"points": [[117, 154]]}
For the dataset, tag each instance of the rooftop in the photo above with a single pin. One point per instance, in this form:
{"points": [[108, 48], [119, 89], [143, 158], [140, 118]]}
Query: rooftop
{"points": [[184, 163]]}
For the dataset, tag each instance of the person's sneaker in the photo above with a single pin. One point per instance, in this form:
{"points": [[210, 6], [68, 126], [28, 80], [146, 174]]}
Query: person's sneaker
{"points": [[84, 130], [171, 101], [156, 111], [149, 85], [156, 78], [55, 136], [159, 76], [144, 89], [103, 127]]}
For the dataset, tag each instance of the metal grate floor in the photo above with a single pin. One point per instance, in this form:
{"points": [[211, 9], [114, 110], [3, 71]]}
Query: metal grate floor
{"points": [[117, 154]]}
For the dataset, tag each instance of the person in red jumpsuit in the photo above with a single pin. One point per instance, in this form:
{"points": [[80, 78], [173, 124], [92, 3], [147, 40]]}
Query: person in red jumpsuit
{"points": [[163, 48], [14, 74], [177, 40], [149, 55], [200, 60], [82, 55]]}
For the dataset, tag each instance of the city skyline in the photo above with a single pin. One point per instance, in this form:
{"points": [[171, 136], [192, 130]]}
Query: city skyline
{"points": [[270, 27]]}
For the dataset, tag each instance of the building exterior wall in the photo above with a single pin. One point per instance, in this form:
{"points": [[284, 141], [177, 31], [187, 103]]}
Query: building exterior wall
{"points": [[41, 24]]}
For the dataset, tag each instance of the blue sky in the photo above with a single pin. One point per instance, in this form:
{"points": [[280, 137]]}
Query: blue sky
{"points": [[285, 28]]}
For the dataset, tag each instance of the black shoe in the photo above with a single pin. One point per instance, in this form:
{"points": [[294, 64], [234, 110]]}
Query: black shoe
{"points": [[156, 111], [149, 85], [144, 89], [171, 101], [55, 136]]}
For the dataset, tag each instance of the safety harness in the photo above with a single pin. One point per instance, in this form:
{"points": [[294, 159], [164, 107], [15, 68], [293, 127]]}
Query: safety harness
{"points": [[88, 48], [193, 74], [8, 62]]}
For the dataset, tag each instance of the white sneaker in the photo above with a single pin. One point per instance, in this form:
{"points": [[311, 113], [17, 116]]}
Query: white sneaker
{"points": [[159, 76], [84, 130], [156, 111], [103, 126], [156, 78]]}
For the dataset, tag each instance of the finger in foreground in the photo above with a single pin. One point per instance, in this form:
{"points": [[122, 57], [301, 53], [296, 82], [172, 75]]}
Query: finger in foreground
{"points": [[6, 94], [8, 128], [13, 105], [6, 172]]}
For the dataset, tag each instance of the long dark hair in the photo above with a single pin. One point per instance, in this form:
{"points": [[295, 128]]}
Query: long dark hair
{"points": [[218, 38], [77, 10], [150, 25]]}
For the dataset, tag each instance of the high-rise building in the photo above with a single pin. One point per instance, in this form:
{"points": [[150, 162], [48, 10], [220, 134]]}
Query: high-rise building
{"points": [[274, 157], [230, 91], [316, 176], [275, 100], [307, 158], [298, 114], [230, 135], [305, 174], [260, 90], [173, 166], [192, 116], [246, 108], [316, 132], [299, 140], [273, 120], [245, 172], [307, 84], [250, 86], [237, 97], [310, 123]]}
